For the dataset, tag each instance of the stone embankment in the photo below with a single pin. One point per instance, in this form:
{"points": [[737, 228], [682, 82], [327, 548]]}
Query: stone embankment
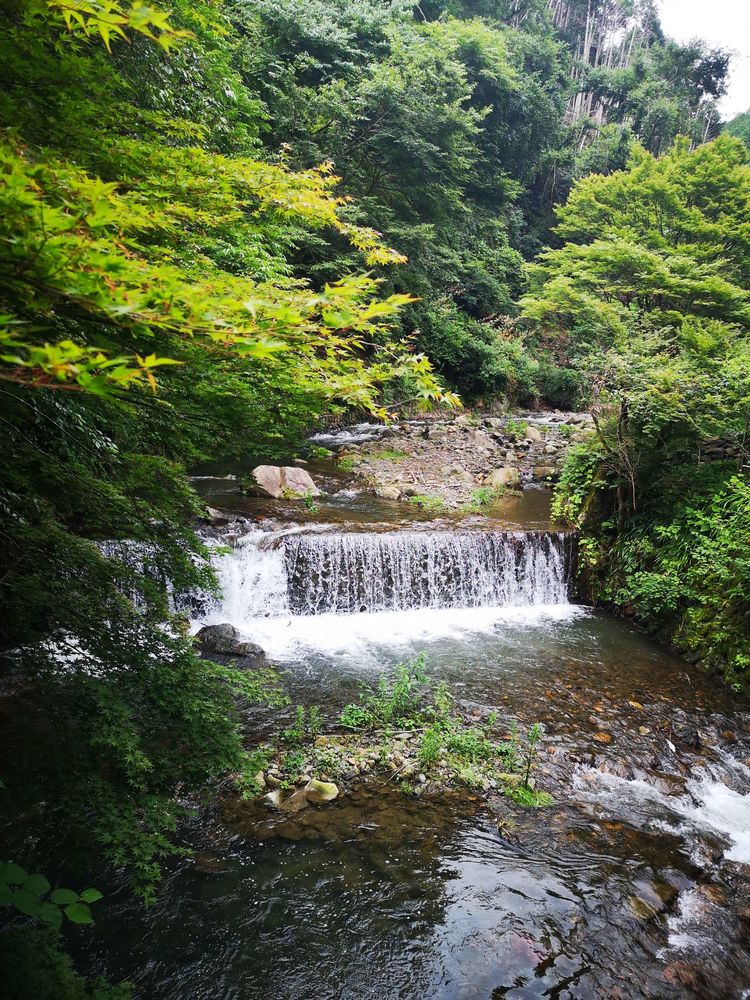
{"points": [[451, 463]]}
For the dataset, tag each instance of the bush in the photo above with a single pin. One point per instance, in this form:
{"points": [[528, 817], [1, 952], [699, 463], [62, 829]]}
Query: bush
{"points": [[35, 966]]}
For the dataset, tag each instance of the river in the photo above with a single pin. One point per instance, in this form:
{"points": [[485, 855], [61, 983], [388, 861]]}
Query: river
{"points": [[634, 883]]}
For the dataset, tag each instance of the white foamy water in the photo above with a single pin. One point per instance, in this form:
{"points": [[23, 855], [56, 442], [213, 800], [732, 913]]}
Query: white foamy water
{"points": [[359, 635], [709, 809], [336, 593]]}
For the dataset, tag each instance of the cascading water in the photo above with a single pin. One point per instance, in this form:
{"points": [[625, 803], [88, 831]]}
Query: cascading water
{"points": [[273, 575], [406, 571]]}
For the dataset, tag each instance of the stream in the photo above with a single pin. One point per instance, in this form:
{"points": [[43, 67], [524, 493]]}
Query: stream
{"points": [[633, 884]]}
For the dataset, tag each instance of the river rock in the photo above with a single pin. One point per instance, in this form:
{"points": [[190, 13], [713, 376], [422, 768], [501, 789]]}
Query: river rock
{"points": [[318, 792], [550, 449], [218, 518], [295, 802], [544, 471], [225, 639], [388, 492], [503, 477], [283, 480], [482, 440], [273, 800], [534, 434]]}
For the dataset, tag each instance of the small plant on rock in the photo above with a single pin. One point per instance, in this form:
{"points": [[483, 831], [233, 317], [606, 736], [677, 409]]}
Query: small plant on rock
{"points": [[309, 503], [430, 747], [516, 428]]}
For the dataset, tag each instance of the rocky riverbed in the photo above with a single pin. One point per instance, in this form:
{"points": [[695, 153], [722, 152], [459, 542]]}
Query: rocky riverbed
{"points": [[464, 461]]}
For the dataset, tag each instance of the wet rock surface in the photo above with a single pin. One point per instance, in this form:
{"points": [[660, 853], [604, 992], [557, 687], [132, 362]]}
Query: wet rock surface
{"points": [[226, 640]]}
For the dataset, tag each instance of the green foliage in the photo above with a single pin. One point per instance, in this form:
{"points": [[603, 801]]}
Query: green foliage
{"points": [[516, 428], [739, 127], [483, 497], [430, 747], [346, 464], [663, 243], [33, 896], [530, 798], [307, 724], [649, 298], [390, 454], [143, 235], [253, 763], [35, 965], [431, 504], [394, 702]]}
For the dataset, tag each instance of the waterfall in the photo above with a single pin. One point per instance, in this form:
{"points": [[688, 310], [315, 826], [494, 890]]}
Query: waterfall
{"points": [[271, 575]]}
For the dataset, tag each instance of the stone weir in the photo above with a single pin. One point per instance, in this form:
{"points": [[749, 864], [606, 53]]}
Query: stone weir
{"points": [[274, 574]]}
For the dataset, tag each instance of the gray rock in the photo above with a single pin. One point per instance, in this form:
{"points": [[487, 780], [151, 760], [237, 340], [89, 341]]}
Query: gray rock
{"points": [[273, 800], [225, 639], [481, 439], [283, 480], [544, 471], [295, 802], [534, 434], [550, 449], [217, 517]]}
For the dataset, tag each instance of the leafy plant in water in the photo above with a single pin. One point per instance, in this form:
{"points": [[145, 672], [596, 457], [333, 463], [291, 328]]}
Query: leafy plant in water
{"points": [[293, 763], [533, 739], [529, 797], [295, 734], [483, 497], [254, 763]]}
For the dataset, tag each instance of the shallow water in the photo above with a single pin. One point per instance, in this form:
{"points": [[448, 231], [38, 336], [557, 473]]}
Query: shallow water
{"points": [[628, 887]]}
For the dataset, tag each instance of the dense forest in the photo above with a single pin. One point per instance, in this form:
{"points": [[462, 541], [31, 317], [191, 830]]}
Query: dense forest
{"points": [[222, 225]]}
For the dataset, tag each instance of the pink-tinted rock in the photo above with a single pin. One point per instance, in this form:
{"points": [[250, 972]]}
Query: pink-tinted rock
{"points": [[283, 480]]}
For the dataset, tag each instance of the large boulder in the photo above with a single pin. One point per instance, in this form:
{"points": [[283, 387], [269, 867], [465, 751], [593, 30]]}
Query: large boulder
{"points": [[534, 434], [226, 640], [283, 481], [503, 477]]}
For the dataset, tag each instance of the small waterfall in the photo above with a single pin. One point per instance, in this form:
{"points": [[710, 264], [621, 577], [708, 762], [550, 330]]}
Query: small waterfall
{"points": [[270, 575]]}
